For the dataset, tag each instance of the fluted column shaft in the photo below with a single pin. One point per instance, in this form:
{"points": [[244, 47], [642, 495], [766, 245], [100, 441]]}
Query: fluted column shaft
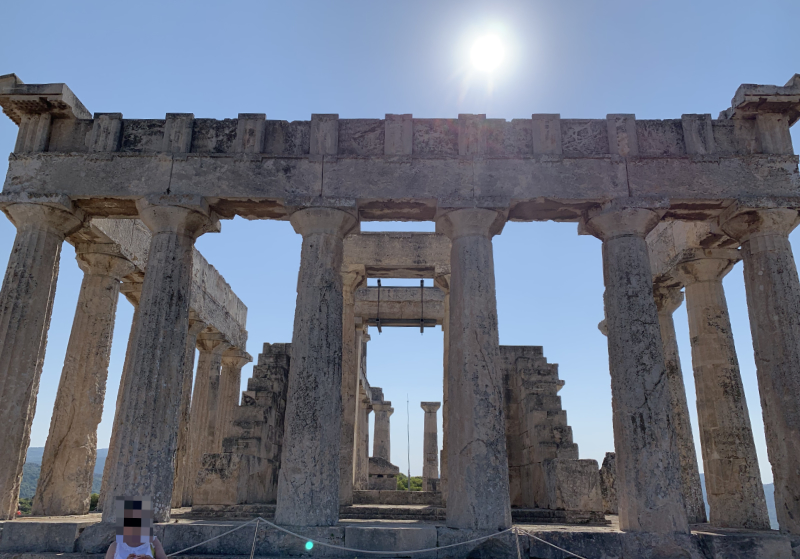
{"points": [[648, 466], [667, 301], [153, 387], [133, 292], [445, 407], [230, 386], [70, 453], [430, 444], [26, 304], [773, 303], [308, 483], [382, 442], [478, 491], [733, 479], [350, 363], [182, 455], [361, 482]]}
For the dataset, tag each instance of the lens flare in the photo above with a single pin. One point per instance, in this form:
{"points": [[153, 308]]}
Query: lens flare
{"points": [[309, 546], [487, 53]]}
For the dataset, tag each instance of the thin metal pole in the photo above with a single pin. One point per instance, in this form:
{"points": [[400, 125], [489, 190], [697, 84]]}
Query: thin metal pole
{"points": [[408, 442]]}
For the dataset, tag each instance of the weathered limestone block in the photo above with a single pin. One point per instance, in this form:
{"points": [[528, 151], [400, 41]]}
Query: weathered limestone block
{"points": [[65, 482], [382, 443], [667, 301], [26, 302], [181, 497], [608, 484], [308, 485], [732, 475], [147, 445], [247, 469], [648, 465], [430, 442], [573, 485], [478, 496], [382, 474], [773, 302]]}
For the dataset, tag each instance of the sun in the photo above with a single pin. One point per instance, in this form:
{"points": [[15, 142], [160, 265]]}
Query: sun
{"points": [[487, 53]]}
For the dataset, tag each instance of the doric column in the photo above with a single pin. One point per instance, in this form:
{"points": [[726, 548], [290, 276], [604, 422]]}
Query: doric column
{"points": [[733, 479], [152, 391], [205, 400], [478, 493], [133, 292], [230, 386], [308, 483], [444, 285], [65, 482], [667, 301], [773, 302], [361, 482], [182, 455], [648, 467], [430, 446], [350, 362], [26, 304], [382, 443]]}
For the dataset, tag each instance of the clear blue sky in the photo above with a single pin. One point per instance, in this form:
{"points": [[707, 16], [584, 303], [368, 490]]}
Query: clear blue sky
{"points": [[365, 59]]}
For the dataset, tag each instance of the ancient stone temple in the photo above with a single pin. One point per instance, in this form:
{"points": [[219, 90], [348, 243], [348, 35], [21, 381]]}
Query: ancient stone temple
{"points": [[676, 203]]}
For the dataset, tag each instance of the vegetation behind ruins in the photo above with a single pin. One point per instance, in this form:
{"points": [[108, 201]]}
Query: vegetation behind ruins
{"points": [[402, 483]]}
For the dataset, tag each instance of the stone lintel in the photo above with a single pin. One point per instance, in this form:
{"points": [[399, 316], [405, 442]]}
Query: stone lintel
{"points": [[398, 255], [400, 303]]}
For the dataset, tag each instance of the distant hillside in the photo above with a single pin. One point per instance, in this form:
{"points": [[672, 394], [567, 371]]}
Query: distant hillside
{"points": [[32, 469], [769, 495], [35, 454]]}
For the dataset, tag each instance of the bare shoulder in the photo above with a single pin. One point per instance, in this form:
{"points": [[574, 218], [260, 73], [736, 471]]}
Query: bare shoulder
{"points": [[160, 554], [112, 549]]}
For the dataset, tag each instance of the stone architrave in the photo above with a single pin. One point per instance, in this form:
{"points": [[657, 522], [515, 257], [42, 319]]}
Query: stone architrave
{"points": [[667, 301], [133, 292], [233, 359], [382, 442], [648, 466], [430, 446], [733, 478], [350, 364], [65, 482], [478, 490], [26, 304], [773, 303], [184, 441], [152, 390], [308, 483]]}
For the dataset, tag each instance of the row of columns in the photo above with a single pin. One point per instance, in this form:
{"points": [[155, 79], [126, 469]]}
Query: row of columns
{"points": [[648, 457]]}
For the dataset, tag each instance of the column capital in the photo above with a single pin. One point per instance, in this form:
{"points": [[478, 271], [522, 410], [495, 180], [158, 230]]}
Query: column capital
{"points": [[132, 291], [195, 324], [323, 221], [611, 222], [103, 259], [213, 342], [471, 222], [668, 299], [352, 279], [742, 223], [383, 407], [235, 358], [181, 214], [702, 265], [430, 407], [53, 212]]}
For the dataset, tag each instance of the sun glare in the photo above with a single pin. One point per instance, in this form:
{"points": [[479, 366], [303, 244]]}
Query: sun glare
{"points": [[487, 53]]}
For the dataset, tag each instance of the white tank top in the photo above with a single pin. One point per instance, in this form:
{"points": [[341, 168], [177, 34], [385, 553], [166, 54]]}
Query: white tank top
{"points": [[123, 549]]}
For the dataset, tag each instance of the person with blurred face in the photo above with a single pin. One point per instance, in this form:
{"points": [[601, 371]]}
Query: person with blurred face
{"points": [[135, 539]]}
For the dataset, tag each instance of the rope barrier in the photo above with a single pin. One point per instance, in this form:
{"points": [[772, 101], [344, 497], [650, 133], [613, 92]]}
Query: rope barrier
{"points": [[516, 530]]}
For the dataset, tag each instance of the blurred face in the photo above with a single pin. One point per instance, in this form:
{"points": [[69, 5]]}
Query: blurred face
{"points": [[134, 521]]}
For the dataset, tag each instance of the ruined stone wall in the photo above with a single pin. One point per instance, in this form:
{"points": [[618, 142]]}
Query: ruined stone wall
{"points": [[544, 468]]}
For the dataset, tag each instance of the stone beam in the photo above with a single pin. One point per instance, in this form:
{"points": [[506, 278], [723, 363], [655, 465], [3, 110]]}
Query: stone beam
{"points": [[398, 255], [539, 168], [400, 303], [211, 297]]}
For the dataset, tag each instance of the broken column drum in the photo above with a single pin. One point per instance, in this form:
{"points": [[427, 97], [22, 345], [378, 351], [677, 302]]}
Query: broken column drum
{"points": [[382, 442], [430, 447]]}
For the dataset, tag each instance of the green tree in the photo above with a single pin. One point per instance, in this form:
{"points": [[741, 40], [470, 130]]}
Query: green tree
{"points": [[402, 483], [93, 503]]}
